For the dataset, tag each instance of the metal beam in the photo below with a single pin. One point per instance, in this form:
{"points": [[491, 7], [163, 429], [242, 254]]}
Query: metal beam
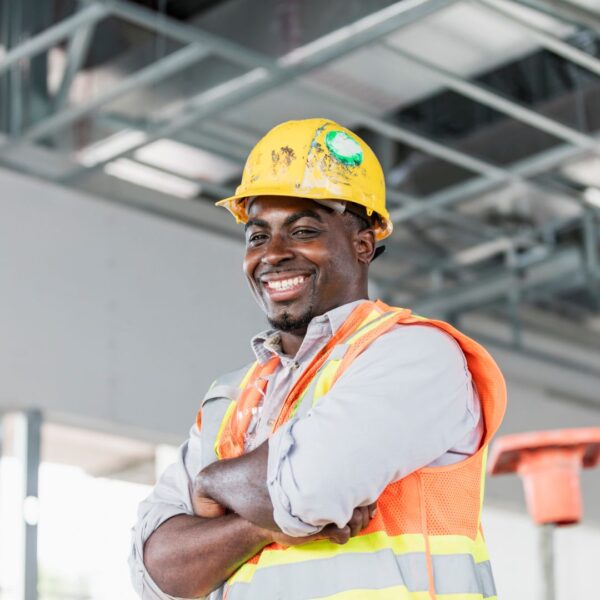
{"points": [[27, 447], [565, 11], [165, 67], [53, 35], [292, 65], [492, 175], [527, 167], [357, 34], [498, 285], [424, 144], [546, 39], [259, 80], [508, 107], [187, 34], [77, 52]]}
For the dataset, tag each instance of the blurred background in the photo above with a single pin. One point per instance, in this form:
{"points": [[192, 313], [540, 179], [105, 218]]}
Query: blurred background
{"points": [[121, 292]]}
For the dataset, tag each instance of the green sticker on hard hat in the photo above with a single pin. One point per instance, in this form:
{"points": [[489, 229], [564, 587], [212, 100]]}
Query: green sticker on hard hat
{"points": [[345, 148]]}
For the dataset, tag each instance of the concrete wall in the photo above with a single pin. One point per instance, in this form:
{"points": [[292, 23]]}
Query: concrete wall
{"points": [[119, 320], [113, 318]]}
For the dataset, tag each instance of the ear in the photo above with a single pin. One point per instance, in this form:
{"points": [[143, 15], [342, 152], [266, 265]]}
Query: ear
{"points": [[364, 244]]}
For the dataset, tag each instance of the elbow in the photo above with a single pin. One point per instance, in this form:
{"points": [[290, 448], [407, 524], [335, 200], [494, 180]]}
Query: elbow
{"points": [[164, 569], [316, 506]]}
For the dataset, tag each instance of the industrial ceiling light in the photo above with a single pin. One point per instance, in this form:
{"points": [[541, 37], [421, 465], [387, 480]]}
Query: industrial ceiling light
{"points": [[155, 179], [187, 161], [113, 145], [585, 171], [592, 196]]}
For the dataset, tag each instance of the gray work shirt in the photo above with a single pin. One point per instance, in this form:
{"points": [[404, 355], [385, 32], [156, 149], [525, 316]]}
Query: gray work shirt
{"points": [[406, 402]]}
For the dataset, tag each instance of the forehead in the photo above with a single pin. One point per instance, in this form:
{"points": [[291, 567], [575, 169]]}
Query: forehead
{"points": [[263, 206]]}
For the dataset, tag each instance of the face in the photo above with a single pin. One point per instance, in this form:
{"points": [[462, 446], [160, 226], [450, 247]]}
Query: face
{"points": [[302, 259]]}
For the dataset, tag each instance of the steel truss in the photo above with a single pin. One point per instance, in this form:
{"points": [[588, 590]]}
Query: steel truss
{"points": [[265, 73]]}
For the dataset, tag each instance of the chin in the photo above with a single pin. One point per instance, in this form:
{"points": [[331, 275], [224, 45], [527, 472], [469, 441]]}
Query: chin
{"points": [[288, 320]]}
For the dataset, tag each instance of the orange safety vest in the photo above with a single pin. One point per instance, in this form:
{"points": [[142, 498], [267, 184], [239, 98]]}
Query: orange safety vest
{"points": [[425, 541]]}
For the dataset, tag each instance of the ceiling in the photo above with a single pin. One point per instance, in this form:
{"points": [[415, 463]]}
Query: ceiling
{"points": [[485, 114]]}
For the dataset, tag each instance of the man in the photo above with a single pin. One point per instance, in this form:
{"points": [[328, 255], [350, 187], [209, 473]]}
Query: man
{"points": [[355, 444]]}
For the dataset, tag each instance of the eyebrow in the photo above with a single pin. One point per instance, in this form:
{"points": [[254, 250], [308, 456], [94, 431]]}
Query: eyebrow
{"points": [[255, 222], [288, 221], [301, 214]]}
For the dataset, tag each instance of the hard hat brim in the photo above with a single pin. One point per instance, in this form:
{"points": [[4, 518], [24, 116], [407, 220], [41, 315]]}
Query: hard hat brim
{"points": [[237, 207]]}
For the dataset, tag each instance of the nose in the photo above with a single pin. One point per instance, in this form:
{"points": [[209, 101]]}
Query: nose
{"points": [[276, 251]]}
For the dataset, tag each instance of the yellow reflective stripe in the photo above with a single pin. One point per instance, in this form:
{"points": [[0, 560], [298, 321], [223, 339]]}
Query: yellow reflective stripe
{"points": [[329, 370], [325, 380], [459, 544], [464, 597], [225, 419], [247, 376], [372, 321], [222, 427], [244, 574], [484, 455], [398, 592], [402, 544], [322, 549], [371, 542]]}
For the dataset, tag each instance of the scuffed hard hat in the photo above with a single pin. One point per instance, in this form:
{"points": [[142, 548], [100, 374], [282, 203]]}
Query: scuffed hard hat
{"points": [[316, 159]]}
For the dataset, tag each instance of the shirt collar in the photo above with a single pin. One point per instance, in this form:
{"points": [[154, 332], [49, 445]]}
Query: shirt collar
{"points": [[267, 344]]}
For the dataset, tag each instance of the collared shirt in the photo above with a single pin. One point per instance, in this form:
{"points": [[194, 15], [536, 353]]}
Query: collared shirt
{"points": [[406, 402]]}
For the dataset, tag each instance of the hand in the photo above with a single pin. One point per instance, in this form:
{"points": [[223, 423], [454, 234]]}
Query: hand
{"points": [[361, 516], [207, 507], [204, 505]]}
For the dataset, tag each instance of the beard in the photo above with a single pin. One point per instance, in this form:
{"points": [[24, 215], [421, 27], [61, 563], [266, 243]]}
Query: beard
{"points": [[286, 322]]}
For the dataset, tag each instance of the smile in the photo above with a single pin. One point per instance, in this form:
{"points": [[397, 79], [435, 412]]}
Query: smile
{"points": [[285, 287], [285, 284]]}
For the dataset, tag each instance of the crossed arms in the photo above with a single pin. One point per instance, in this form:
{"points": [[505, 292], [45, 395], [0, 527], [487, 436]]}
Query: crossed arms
{"points": [[190, 556], [403, 404]]}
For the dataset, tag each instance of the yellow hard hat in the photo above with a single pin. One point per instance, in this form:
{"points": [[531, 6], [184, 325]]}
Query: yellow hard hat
{"points": [[317, 159]]}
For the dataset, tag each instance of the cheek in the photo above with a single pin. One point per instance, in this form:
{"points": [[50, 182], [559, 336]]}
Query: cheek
{"points": [[339, 259], [249, 264]]}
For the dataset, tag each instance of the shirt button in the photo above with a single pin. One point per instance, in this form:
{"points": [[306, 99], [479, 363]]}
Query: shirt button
{"points": [[294, 366]]}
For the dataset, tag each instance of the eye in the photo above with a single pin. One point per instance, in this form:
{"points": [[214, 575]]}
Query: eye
{"points": [[305, 232], [255, 239]]}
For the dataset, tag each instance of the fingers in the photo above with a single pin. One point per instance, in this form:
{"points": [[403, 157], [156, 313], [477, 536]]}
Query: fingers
{"points": [[356, 522], [372, 509], [360, 519], [337, 535]]}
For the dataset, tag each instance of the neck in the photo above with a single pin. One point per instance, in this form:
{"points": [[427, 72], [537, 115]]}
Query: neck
{"points": [[291, 341]]}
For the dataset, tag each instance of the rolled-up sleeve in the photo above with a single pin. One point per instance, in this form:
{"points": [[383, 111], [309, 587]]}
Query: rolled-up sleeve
{"points": [[401, 405], [171, 496]]}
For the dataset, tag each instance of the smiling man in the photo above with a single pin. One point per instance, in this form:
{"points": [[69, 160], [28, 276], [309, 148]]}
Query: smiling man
{"points": [[347, 461]]}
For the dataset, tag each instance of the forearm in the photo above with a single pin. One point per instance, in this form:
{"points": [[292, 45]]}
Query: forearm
{"points": [[188, 556], [240, 484]]}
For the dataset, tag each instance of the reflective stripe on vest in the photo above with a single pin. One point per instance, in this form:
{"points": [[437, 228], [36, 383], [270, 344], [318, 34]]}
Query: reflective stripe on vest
{"points": [[220, 398], [368, 567], [425, 541]]}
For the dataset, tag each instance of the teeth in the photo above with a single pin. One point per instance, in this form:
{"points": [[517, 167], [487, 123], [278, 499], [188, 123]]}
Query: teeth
{"points": [[285, 284]]}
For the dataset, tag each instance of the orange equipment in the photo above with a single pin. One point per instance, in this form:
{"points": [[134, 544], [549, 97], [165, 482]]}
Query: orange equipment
{"points": [[549, 463]]}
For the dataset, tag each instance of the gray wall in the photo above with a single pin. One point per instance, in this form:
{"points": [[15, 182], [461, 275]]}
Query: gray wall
{"points": [[118, 320], [112, 318]]}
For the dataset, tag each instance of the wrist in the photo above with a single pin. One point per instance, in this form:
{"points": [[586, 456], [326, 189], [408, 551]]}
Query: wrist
{"points": [[260, 534]]}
